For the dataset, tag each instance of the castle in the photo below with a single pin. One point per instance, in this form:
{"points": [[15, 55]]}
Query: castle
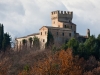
{"points": [[62, 29]]}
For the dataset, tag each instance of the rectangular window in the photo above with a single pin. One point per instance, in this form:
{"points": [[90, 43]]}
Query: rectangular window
{"points": [[74, 32], [70, 34], [45, 33], [65, 26], [62, 34], [41, 33], [43, 40], [71, 27], [57, 33]]}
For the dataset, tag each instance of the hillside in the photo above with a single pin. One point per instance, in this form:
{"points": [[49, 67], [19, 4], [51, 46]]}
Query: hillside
{"points": [[29, 62]]}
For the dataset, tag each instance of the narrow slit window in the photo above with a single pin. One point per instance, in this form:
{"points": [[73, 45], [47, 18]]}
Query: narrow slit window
{"points": [[57, 33], [45, 33], [62, 34], [65, 26], [70, 34]]}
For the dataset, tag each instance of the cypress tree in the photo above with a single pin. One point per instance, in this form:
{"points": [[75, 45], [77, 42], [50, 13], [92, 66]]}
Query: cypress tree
{"points": [[1, 34], [6, 41], [50, 40]]}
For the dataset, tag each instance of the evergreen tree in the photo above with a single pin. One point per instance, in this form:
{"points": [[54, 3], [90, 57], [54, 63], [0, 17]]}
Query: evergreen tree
{"points": [[91, 45], [24, 41], [30, 40], [1, 35], [6, 42], [73, 44], [50, 40], [36, 42]]}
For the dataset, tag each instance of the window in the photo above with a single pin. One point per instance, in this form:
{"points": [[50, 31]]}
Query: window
{"points": [[65, 26], [62, 34], [71, 26], [43, 40], [70, 34], [45, 33], [74, 31], [41, 33], [69, 21], [52, 13], [57, 33]]}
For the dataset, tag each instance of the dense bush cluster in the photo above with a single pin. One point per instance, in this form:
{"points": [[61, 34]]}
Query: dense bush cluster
{"points": [[91, 47]]}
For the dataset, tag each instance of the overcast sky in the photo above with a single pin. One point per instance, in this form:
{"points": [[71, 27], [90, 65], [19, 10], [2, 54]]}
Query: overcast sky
{"points": [[23, 17]]}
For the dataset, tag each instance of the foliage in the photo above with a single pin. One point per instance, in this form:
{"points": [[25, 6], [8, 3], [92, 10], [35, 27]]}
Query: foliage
{"points": [[1, 34], [73, 43], [4, 39], [50, 40], [24, 41], [36, 42], [30, 41], [26, 67], [64, 47], [54, 49], [30, 62]]}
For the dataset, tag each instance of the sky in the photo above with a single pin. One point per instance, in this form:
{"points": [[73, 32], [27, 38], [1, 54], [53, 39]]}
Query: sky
{"points": [[24, 17]]}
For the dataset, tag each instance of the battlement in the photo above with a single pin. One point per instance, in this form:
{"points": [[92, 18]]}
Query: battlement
{"points": [[62, 12]]}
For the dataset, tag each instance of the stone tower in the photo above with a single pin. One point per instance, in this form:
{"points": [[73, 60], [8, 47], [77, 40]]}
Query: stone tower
{"points": [[61, 16], [88, 33]]}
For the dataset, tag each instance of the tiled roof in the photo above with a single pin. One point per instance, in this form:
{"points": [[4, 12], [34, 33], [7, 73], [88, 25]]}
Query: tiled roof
{"points": [[29, 35], [50, 27], [33, 34]]}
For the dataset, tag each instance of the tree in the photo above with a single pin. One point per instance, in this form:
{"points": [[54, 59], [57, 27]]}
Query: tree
{"points": [[90, 44], [30, 40], [1, 34], [50, 40], [98, 40], [6, 42], [73, 44], [82, 51], [36, 42], [24, 41], [64, 47]]}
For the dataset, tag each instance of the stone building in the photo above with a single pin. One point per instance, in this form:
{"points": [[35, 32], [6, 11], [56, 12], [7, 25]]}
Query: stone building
{"points": [[62, 29]]}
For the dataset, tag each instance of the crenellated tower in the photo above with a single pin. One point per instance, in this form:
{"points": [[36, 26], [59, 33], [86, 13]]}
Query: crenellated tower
{"points": [[61, 16]]}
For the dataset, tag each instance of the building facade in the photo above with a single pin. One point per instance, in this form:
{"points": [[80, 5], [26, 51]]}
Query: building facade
{"points": [[62, 29]]}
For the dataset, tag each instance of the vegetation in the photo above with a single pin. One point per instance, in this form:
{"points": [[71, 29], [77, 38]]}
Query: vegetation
{"points": [[30, 41], [36, 42], [50, 40], [4, 39], [73, 58], [24, 41]]}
